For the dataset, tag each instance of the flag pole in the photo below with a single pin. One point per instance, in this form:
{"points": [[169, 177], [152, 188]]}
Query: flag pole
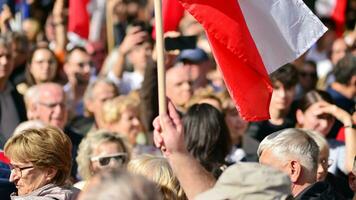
{"points": [[160, 58]]}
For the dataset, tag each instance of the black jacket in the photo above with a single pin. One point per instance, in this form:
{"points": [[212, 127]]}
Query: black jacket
{"points": [[319, 191]]}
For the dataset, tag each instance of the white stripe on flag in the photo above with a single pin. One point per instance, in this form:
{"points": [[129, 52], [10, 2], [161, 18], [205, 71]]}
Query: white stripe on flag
{"points": [[281, 29]]}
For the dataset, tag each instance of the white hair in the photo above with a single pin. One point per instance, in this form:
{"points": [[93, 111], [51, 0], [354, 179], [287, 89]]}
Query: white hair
{"points": [[31, 124], [292, 143]]}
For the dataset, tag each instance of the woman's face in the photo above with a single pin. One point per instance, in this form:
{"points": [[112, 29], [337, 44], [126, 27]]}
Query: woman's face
{"points": [[237, 126], [28, 178], [312, 119], [129, 125], [43, 66], [107, 150], [323, 164]]}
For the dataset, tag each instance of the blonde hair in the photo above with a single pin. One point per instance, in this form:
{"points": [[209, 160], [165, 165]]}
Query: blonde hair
{"points": [[113, 108], [91, 142], [45, 147], [158, 170], [202, 94]]}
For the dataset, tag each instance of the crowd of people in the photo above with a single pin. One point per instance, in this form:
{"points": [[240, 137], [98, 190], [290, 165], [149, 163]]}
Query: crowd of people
{"points": [[79, 116]]}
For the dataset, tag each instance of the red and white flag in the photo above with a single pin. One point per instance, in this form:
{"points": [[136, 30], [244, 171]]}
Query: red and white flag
{"points": [[334, 9], [252, 38]]}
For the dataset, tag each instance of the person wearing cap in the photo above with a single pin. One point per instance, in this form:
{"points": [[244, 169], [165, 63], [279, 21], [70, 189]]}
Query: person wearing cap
{"points": [[199, 64], [296, 153]]}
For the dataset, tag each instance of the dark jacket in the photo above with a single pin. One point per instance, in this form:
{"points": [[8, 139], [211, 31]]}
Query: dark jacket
{"points": [[319, 191]]}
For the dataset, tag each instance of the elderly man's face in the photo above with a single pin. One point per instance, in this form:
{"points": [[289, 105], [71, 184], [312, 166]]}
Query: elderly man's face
{"points": [[51, 107], [179, 85]]}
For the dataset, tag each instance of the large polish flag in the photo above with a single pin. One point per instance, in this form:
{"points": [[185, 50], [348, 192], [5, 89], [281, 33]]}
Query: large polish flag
{"points": [[252, 38]]}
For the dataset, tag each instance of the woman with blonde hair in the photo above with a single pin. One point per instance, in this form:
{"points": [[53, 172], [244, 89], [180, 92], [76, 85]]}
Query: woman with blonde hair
{"points": [[121, 115], [158, 170], [99, 151]]}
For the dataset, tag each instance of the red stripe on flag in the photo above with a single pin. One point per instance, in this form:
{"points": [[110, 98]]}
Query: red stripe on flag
{"points": [[172, 13], [78, 20], [236, 53], [338, 15]]}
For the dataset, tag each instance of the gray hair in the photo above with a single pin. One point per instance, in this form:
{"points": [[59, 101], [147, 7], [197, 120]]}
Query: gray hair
{"points": [[292, 142], [33, 93], [318, 138], [88, 95], [91, 142]]}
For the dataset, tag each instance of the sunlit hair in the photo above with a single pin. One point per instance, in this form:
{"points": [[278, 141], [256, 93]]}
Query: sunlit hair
{"points": [[45, 148], [313, 97], [292, 143], [203, 94], [90, 143], [158, 170], [89, 96], [120, 184], [34, 124], [319, 139], [113, 108]]}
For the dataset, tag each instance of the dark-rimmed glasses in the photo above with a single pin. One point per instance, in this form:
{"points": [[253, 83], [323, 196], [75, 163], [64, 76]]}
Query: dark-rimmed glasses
{"points": [[18, 170]]}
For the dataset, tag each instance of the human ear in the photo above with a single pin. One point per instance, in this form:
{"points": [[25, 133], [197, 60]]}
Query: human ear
{"points": [[300, 117], [51, 173], [295, 170]]}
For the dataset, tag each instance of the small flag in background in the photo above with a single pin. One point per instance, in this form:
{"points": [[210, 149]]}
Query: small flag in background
{"points": [[252, 38], [78, 20]]}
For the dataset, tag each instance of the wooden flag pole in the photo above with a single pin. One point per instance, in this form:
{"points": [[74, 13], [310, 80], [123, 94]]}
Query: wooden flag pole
{"points": [[160, 58]]}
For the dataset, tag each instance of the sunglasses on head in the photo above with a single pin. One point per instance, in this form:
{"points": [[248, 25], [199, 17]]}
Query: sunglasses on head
{"points": [[120, 158]]}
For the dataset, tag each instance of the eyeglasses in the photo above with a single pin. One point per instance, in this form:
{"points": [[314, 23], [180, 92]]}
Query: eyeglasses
{"points": [[326, 162], [120, 158], [18, 170], [311, 75]]}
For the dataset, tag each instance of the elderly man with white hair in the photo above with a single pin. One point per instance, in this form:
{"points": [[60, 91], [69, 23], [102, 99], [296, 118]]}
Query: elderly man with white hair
{"points": [[294, 152]]}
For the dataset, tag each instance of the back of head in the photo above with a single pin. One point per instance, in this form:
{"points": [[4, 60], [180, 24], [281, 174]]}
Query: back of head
{"points": [[206, 134], [117, 185], [287, 75], [345, 69], [249, 181], [296, 144], [158, 170], [45, 147]]}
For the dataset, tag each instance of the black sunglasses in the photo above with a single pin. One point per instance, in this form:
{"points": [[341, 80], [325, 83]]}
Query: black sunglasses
{"points": [[120, 158]]}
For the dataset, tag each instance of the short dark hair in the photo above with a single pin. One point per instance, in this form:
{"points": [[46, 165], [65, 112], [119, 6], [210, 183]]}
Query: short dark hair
{"points": [[345, 69], [75, 48], [287, 75]]}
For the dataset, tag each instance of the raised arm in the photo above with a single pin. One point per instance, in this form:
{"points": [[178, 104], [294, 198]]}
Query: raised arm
{"points": [[169, 137]]}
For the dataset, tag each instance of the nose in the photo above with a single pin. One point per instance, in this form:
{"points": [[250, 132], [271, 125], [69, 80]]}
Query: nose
{"points": [[13, 176]]}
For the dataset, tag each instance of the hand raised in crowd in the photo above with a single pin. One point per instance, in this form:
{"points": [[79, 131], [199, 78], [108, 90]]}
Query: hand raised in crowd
{"points": [[323, 107], [134, 36], [169, 132]]}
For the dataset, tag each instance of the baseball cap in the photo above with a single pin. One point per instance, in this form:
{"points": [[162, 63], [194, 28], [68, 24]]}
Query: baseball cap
{"points": [[193, 55]]}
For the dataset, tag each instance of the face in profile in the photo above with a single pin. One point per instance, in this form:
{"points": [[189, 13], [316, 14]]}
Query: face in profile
{"points": [[27, 177]]}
